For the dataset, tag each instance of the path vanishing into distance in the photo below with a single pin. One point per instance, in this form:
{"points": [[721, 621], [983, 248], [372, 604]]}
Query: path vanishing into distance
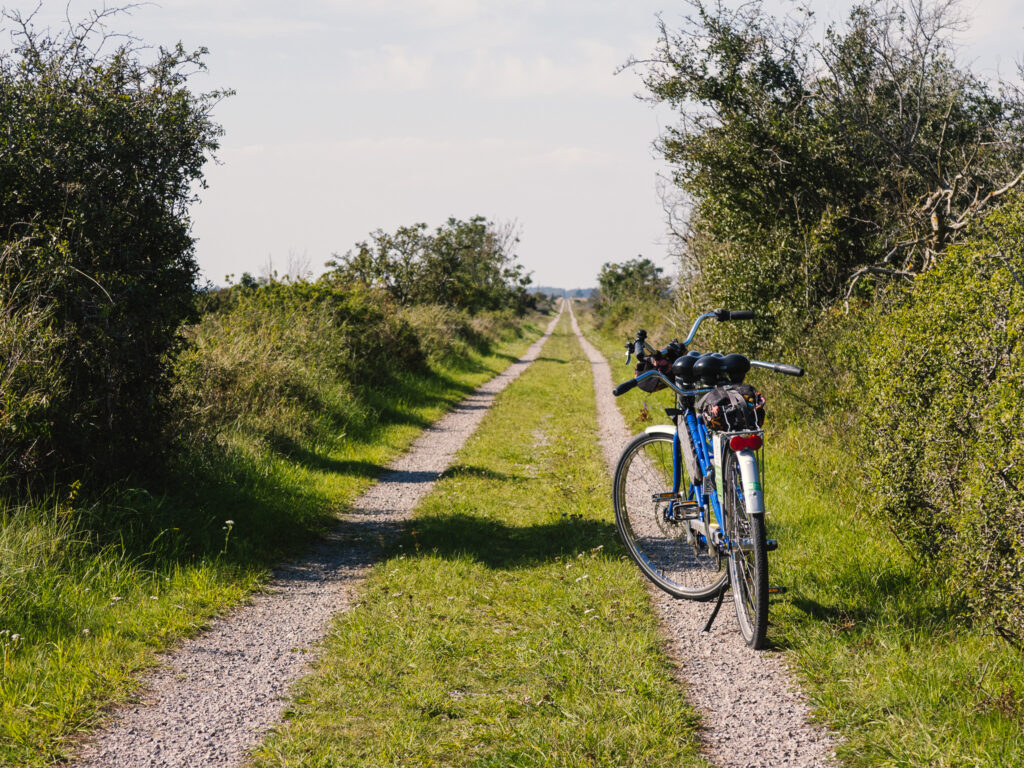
{"points": [[216, 697]]}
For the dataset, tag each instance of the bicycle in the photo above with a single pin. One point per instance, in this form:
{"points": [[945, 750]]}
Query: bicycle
{"points": [[689, 501]]}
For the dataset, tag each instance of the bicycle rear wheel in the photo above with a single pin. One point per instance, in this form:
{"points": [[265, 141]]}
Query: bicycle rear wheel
{"points": [[657, 539], [748, 559]]}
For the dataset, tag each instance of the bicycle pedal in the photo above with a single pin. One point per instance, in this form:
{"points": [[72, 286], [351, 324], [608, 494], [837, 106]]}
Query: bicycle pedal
{"points": [[681, 503], [777, 590], [771, 545]]}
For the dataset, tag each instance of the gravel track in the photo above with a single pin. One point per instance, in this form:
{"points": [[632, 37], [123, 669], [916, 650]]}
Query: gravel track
{"points": [[754, 716], [217, 694]]}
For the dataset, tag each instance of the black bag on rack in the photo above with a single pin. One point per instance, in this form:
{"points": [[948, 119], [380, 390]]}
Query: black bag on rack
{"points": [[735, 408], [660, 361]]}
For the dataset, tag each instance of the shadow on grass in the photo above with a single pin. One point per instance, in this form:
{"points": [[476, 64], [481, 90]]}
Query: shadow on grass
{"points": [[500, 546], [893, 597], [179, 516]]}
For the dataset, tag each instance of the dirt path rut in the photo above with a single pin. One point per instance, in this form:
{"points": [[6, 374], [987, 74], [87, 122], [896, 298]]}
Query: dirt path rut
{"points": [[216, 695], [753, 714]]}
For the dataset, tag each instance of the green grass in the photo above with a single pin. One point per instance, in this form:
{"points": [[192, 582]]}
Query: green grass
{"points": [[90, 590], [882, 651], [885, 656], [507, 627]]}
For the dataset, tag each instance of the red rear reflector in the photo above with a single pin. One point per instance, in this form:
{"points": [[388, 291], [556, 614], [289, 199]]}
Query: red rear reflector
{"points": [[745, 442]]}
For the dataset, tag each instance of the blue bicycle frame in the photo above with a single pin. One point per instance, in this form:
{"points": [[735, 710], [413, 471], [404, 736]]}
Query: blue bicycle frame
{"points": [[702, 446]]}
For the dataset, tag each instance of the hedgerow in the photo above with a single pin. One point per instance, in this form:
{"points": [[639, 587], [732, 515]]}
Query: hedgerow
{"points": [[98, 160], [943, 408]]}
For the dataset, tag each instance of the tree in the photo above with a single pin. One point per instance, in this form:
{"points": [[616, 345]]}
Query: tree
{"points": [[631, 281], [467, 264], [810, 166]]}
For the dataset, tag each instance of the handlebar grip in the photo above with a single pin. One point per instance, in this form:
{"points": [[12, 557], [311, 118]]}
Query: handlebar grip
{"points": [[624, 387], [789, 370], [733, 314]]}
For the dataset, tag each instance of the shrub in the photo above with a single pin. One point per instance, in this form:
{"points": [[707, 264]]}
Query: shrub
{"points": [[99, 156], [468, 265], [809, 165], [446, 334], [32, 379], [944, 404], [289, 359]]}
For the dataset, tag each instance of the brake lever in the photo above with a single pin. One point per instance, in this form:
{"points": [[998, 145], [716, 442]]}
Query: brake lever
{"points": [[629, 351]]}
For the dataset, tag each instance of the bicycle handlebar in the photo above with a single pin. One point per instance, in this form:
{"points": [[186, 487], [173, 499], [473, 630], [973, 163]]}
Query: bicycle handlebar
{"points": [[624, 387], [638, 346], [721, 315]]}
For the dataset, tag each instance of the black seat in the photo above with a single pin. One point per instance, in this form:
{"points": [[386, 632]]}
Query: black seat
{"points": [[707, 368], [682, 369], [735, 366]]}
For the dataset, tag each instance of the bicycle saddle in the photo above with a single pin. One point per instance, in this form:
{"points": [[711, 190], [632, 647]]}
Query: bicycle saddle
{"points": [[735, 366], [707, 368], [682, 369]]}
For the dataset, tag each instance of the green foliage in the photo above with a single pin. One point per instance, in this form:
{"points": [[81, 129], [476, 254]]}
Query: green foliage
{"points": [[32, 379], [814, 166], [98, 159], [283, 362], [287, 355], [463, 264], [942, 417], [634, 280]]}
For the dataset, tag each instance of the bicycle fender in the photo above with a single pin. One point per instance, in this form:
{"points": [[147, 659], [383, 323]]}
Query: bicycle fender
{"points": [[752, 494], [661, 429]]}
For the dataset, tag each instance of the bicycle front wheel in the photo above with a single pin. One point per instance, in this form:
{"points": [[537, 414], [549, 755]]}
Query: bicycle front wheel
{"points": [[748, 558], [653, 529]]}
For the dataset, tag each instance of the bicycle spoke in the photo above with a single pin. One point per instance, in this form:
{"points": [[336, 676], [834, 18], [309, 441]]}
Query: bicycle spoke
{"points": [[661, 546]]}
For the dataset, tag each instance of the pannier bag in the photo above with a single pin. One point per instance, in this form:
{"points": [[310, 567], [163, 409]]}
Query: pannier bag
{"points": [[653, 384], [661, 361], [732, 409]]}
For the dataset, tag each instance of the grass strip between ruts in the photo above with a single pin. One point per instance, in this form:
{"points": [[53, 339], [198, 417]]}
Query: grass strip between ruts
{"points": [[506, 627], [80, 622], [883, 660]]}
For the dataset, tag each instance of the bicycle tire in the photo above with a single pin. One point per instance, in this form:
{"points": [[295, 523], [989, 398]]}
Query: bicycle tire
{"points": [[664, 550], [748, 559]]}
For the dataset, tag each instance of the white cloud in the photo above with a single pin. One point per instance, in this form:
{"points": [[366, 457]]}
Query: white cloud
{"points": [[390, 68], [585, 66], [424, 12], [273, 27]]}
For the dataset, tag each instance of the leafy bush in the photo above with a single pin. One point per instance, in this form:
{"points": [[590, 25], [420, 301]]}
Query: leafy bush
{"points": [[812, 167], [944, 405], [446, 334], [468, 265], [634, 280], [276, 355], [32, 381], [98, 160]]}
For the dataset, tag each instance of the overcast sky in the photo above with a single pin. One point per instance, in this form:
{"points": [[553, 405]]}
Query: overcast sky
{"points": [[352, 116]]}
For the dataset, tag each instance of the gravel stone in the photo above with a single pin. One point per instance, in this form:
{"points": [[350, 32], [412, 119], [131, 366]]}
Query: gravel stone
{"points": [[216, 695], [754, 715]]}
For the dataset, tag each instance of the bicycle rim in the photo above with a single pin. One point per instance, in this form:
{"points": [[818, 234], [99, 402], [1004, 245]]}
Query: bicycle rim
{"points": [[664, 549], [748, 560]]}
